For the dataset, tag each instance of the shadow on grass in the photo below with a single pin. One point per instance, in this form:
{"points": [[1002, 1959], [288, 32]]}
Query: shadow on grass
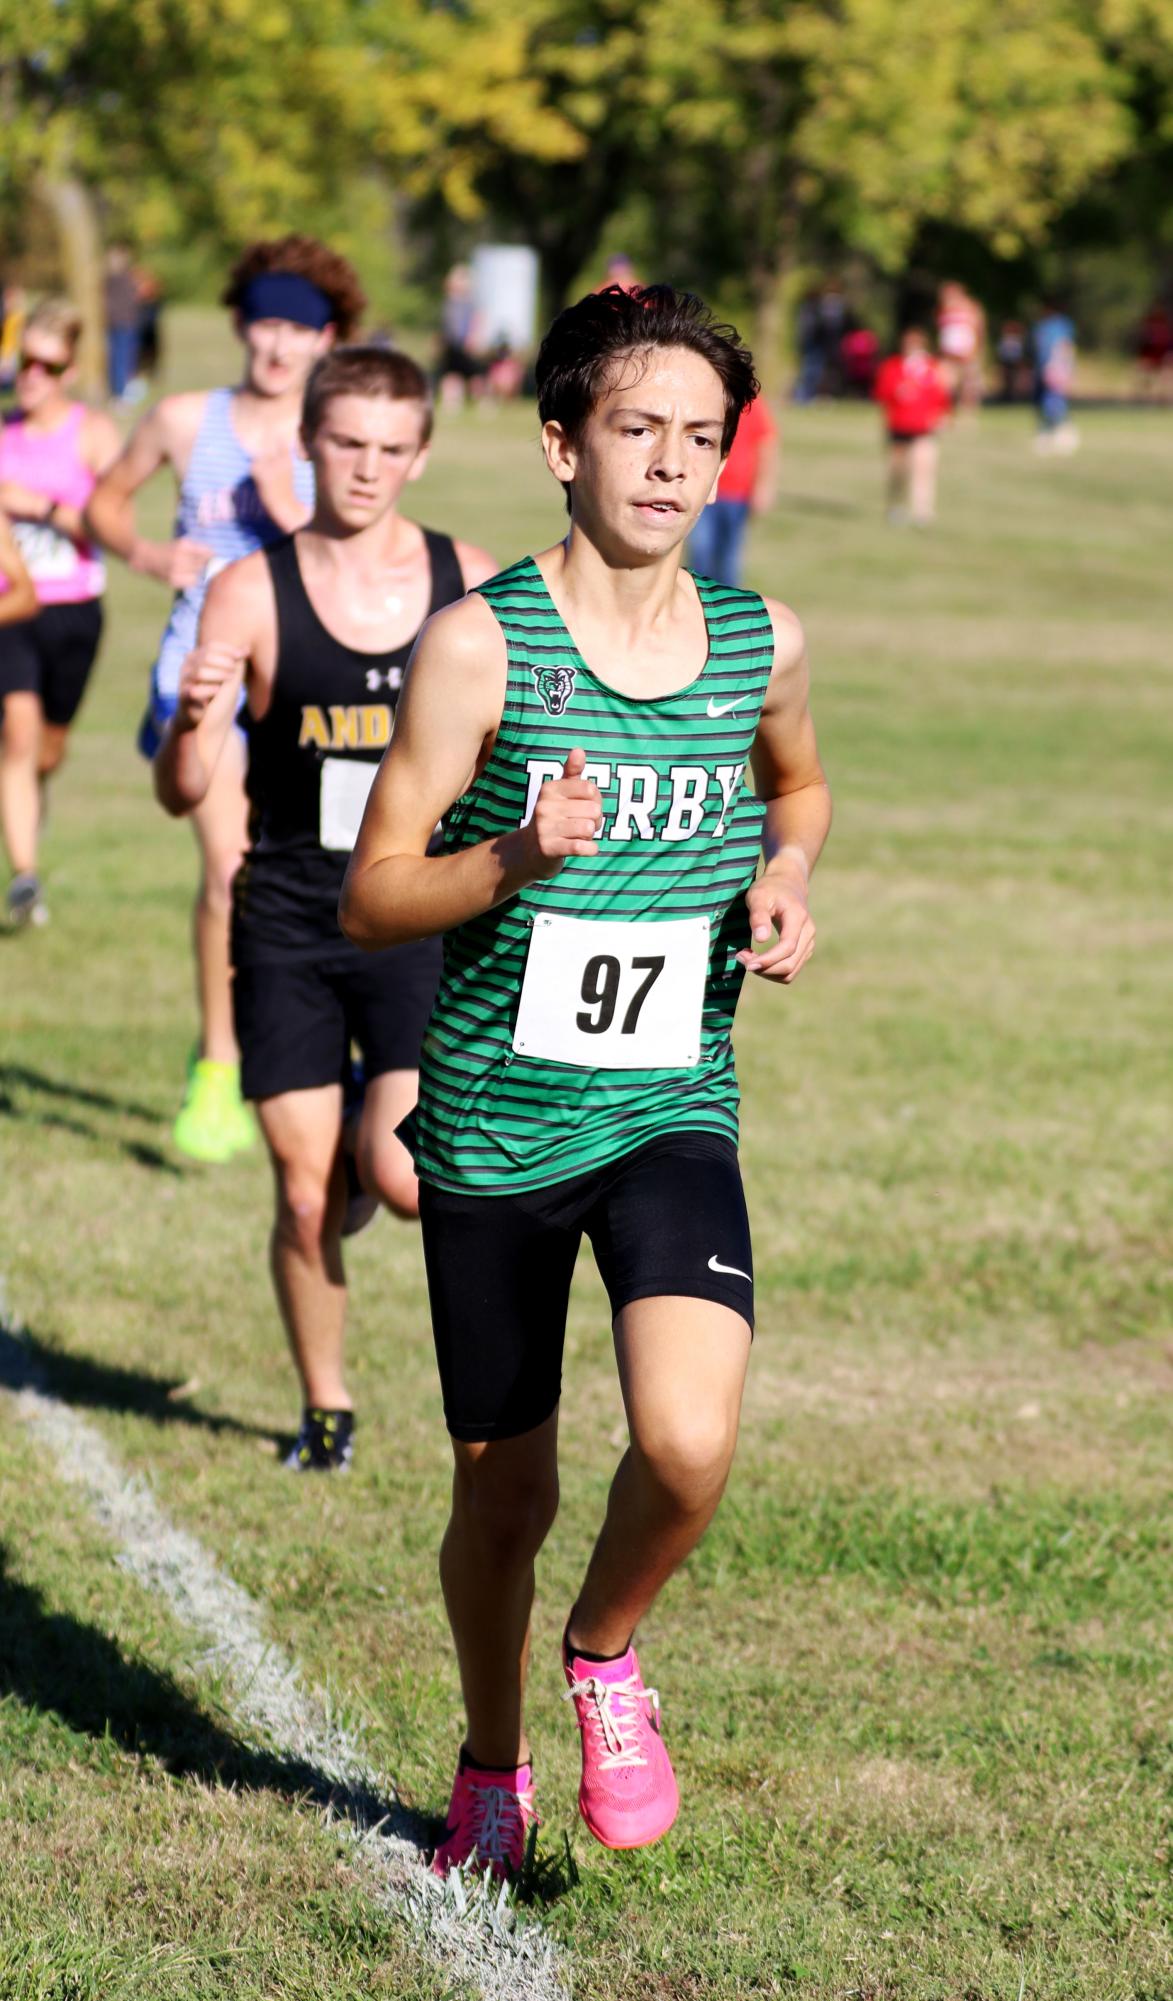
{"points": [[15, 1077], [27, 1362], [51, 1661]]}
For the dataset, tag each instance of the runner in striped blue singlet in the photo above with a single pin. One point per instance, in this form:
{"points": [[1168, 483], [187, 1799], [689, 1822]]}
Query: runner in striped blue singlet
{"points": [[584, 725], [243, 485]]}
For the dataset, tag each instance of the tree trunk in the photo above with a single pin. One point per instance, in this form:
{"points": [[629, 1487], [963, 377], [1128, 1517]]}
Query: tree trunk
{"points": [[773, 282], [71, 206]]}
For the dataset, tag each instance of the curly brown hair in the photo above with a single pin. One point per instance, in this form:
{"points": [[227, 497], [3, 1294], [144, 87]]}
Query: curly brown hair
{"points": [[303, 257]]}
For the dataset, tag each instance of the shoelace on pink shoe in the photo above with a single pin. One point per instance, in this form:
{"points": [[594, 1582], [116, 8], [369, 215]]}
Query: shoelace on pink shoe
{"points": [[499, 1816], [614, 1715]]}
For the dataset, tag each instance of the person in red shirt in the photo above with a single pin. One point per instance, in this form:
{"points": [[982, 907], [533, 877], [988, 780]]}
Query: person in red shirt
{"points": [[912, 391], [746, 486]]}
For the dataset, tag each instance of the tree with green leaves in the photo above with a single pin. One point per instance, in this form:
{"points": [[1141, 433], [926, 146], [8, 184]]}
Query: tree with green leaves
{"points": [[230, 119], [801, 119]]}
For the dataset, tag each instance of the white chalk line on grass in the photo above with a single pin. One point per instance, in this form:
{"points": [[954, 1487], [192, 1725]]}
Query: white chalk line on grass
{"points": [[470, 1930]]}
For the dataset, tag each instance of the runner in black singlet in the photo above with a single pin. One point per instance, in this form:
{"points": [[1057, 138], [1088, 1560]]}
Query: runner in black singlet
{"points": [[317, 630], [312, 756]]}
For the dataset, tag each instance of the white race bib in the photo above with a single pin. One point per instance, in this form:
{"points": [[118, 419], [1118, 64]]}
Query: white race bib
{"points": [[604, 994], [50, 557], [342, 798]]}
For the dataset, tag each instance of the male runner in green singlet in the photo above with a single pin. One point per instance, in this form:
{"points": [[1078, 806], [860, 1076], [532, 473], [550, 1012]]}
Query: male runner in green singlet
{"points": [[317, 629], [585, 722]]}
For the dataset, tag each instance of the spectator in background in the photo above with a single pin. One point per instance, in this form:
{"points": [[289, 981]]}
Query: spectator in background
{"points": [[811, 341], [1011, 354], [1154, 354], [912, 390], [150, 306], [1053, 348], [961, 339], [747, 486], [859, 358], [13, 313], [122, 317], [835, 319], [460, 370]]}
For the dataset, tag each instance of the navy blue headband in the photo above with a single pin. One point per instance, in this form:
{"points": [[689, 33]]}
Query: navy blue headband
{"points": [[282, 295]]}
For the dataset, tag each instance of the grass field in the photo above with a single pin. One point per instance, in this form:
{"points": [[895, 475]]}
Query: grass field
{"points": [[918, 1679]]}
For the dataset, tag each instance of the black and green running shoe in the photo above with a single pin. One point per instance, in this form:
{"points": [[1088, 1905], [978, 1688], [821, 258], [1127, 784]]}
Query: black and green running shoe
{"points": [[24, 903], [325, 1443]]}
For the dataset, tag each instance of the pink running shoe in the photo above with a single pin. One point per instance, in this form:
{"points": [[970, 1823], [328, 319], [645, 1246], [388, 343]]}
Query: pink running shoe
{"points": [[628, 1796], [489, 1817]]}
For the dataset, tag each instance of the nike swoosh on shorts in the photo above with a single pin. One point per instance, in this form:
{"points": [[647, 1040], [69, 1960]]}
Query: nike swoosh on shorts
{"points": [[723, 708], [733, 1271]]}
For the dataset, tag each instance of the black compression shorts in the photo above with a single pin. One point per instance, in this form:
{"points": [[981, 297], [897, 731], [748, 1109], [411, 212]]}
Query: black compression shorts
{"points": [[667, 1220], [51, 656], [296, 1018]]}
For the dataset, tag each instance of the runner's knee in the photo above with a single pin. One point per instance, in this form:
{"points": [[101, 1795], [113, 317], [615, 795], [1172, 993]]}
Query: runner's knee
{"points": [[20, 732], [386, 1171], [303, 1205], [508, 1511], [688, 1458], [219, 872]]}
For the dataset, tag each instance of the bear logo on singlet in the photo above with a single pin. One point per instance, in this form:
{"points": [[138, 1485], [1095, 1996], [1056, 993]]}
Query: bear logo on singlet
{"points": [[555, 685]]}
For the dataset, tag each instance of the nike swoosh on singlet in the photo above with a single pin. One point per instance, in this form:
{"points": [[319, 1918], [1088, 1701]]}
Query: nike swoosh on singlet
{"points": [[723, 708], [731, 1269]]}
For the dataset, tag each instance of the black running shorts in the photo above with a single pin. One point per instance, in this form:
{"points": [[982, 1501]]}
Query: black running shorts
{"points": [[667, 1220], [51, 656], [296, 1019]]}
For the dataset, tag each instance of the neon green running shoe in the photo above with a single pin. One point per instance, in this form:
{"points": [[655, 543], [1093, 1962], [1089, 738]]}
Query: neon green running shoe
{"points": [[214, 1122]]}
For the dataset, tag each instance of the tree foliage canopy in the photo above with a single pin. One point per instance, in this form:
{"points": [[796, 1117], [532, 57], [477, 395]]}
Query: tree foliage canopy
{"points": [[754, 126]]}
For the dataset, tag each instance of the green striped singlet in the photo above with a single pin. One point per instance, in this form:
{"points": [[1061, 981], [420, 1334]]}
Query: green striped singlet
{"points": [[680, 838]]}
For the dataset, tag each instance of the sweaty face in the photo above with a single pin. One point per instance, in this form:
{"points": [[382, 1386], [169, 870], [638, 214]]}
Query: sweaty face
{"points": [[46, 369], [649, 453], [364, 452], [280, 354]]}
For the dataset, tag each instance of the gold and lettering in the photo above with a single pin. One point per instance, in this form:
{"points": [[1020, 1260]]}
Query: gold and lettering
{"points": [[355, 726]]}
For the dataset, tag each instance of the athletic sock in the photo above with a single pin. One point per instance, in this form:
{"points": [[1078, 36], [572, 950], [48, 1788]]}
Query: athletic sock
{"points": [[581, 1654], [469, 1763]]}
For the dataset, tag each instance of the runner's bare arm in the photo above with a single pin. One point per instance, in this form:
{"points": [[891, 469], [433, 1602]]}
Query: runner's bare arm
{"points": [[165, 436], [272, 475], [445, 725], [789, 778], [210, 681], [20, 599]]}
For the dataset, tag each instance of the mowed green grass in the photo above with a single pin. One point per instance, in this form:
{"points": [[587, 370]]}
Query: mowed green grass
{"points": [[917, 1680]]}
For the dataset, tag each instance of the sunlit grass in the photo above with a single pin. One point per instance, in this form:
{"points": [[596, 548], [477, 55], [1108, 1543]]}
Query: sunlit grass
{"points": [[918, 1677]]}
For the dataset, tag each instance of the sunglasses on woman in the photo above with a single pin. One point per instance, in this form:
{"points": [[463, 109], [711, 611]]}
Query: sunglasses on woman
{"points": [[47, 367]]}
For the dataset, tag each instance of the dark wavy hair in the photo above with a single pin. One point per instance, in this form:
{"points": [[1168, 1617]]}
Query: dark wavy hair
{"points": [[577, 360]]}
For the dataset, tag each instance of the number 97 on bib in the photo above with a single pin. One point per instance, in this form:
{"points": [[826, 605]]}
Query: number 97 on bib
{"points": [[604, 994]]}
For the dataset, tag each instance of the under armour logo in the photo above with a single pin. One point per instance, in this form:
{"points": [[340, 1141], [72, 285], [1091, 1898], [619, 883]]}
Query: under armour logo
{"points": [[393, 678]]}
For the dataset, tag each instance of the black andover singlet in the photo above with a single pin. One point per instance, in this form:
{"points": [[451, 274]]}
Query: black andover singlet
{"points": [[312, 759]]}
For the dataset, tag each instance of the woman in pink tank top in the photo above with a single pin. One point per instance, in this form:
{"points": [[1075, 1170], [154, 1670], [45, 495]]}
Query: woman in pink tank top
{"points": [[52, 451]]}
